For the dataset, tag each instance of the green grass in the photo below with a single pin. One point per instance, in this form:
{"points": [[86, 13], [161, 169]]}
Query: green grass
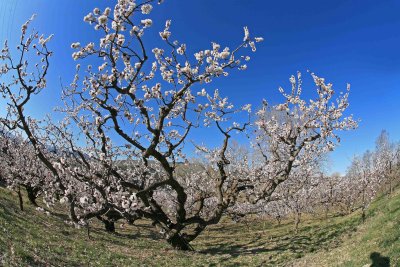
{"points": [[379, 235], [36, 239]]}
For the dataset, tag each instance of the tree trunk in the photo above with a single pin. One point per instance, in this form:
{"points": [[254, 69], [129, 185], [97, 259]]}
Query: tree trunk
{"points": [[32, 195], [297, 222], [278, 218], [88, 230], [349, 210], [2, 182], [72, 214], [21, 201], [179, 243], [363, 207], [390, 179], [109, 225], [363, 216]]}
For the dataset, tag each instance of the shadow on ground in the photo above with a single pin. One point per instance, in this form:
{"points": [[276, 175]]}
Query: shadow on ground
{"points": [[378, 260]]}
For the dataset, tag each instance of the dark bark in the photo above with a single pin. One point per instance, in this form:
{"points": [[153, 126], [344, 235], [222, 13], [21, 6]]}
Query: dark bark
{"points": [[21, 201], [109, 225], [179, 243], [363, 216], [32, 193], [2, 182]]}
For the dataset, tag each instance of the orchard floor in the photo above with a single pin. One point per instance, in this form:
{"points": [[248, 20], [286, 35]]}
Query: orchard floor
{"points": [[33, 238]]}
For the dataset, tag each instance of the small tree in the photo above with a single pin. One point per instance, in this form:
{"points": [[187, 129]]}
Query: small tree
{"points": [[364, 171], [20, 168], [296, 133], [386, 154], [329, 190]]}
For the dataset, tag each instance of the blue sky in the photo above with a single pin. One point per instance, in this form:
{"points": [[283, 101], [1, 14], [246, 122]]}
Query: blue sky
{"points": [[344, 41]]}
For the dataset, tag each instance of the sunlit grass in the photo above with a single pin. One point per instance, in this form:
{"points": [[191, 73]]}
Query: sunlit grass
{"points": [[34, 238], [376, 241]]}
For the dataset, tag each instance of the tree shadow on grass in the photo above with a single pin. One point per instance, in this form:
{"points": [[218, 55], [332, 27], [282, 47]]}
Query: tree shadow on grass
{"points": [[150, 235], [310, 239], [378, 260], [294, 244]]}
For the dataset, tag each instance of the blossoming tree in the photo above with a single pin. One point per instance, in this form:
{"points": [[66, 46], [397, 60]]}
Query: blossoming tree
{"points": [[296, 133], [387, 154], [119, 152], [150, 90]]}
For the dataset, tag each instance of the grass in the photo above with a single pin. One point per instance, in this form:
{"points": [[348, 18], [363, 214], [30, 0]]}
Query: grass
{"points": [[36, 239], [377, 240]]}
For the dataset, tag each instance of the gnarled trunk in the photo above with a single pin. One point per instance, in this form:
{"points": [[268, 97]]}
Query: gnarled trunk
{"points": [[109, 225], [32, 195], [179, 243]]}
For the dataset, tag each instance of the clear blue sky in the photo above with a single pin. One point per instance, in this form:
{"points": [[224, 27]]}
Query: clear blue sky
{"points": [[345, 41]]}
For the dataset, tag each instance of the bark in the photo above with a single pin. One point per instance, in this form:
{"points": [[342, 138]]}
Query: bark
{"points": [[32, 195], [279, 219], [2, 182], [109, 225], [297, 222], [363, 216], [21, 201], [326, 212], [179, 243], [390, 186]]}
